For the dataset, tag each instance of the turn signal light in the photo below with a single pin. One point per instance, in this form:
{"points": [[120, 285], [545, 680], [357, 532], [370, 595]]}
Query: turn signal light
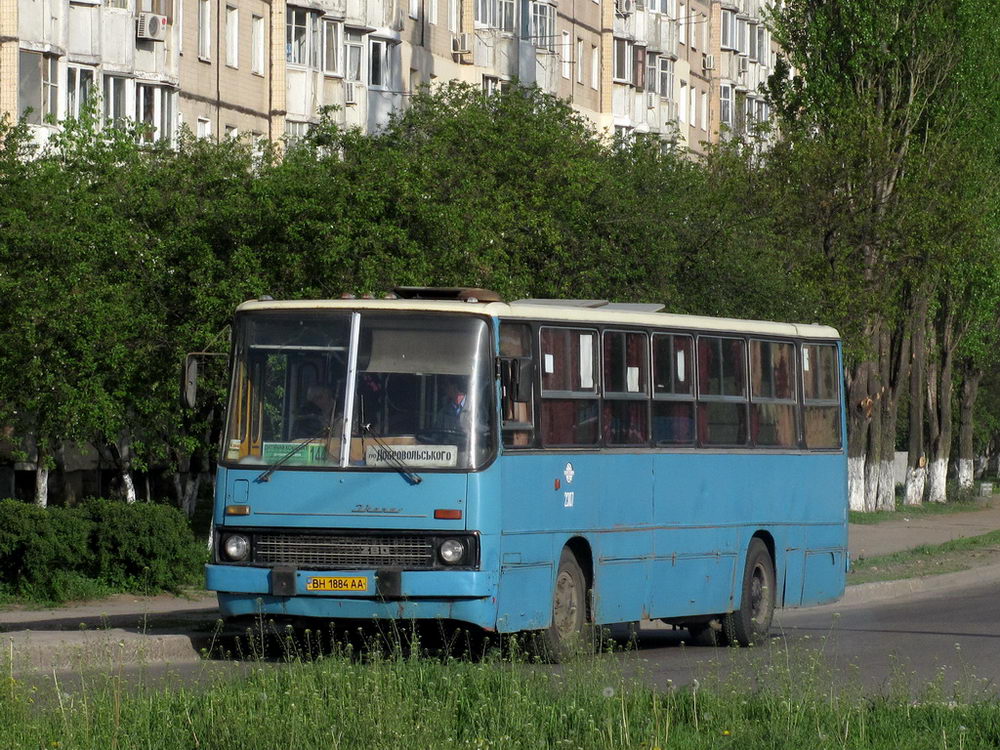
{"points": [[447, 514], [237, 510]]}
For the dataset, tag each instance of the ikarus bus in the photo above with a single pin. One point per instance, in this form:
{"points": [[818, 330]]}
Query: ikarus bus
{"points": [[533, 465]]}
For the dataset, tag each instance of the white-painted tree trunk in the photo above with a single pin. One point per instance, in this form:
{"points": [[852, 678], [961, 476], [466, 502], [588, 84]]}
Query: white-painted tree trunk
{"points": [[937, 477], [966, 468], [41, 485], [856, 483], [871, 486], [129, 486], [886, 486], [915, 480]]}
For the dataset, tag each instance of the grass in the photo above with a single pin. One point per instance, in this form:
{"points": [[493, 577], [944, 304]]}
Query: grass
{"points": [[397, 700], [961, 503], [929, 559]]}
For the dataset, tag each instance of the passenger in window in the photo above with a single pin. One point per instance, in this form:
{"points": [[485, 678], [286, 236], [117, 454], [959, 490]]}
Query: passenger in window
{"points": [[453, 414], [316, 418]]}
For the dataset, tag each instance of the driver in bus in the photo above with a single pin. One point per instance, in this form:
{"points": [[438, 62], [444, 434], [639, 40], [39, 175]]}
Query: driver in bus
{"points": [[316, 417], [453, 414]]}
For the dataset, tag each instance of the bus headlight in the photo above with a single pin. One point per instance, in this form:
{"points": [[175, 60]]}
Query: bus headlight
{"points": [[452, 551], [236, 547]]}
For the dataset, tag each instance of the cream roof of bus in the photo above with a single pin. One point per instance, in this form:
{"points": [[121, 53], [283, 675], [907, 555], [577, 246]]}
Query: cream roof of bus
{"points": [[555, 313]]}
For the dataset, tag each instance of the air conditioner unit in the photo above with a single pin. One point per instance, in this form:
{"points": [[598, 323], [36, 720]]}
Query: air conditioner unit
{"points": [[744, 64], [652, 99], [708, 62], [151, 26], [461, 44], [350, 92], [624, 7]]}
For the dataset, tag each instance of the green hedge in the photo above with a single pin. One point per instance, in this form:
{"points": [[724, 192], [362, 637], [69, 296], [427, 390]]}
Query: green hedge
{"points": [[95, 548]]}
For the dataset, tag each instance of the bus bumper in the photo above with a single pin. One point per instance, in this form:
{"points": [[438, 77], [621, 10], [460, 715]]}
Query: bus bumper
{"points": [[466, 595]]}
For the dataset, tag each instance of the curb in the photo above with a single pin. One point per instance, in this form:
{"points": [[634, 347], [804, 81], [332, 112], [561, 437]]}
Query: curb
{"points": [[27, 651], [862, 593]]}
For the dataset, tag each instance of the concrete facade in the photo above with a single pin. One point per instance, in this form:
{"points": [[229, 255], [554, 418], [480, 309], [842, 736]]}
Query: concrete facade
{"points": [[685, 71]]}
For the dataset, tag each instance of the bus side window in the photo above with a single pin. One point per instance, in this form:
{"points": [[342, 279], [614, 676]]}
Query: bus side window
{"points": [[821, 396], [569, 408], [673, 389], [626, 391], [772, 391], [517, 384], [722, 392]]}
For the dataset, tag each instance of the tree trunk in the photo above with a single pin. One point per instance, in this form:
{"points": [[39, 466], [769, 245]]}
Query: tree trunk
{"points": [[41, 482], [916, 459], [859, 416], [941, 423], [894, 355], [128, 486], [966, 457]]}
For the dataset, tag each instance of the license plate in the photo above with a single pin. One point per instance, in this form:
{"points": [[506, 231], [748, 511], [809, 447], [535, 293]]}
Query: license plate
{"points": [[337, 583]]}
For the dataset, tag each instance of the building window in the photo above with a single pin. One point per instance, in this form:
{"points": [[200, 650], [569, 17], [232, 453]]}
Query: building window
{"points": [[726, 104], [117, 4], [666, 88], [579, 61], [380, 63], [204, 29], [507, 17], [728, 29], [741, 36], [302, 37], [682, 114], [114, 100], [204, 127], [565, 52], [693, 109], [232, 37], [154, 110], [595, 66], [257, 45], [38, 86], [79, 89], [543, 25], [494, 14], [432, 12], [623, 61], [704, 110], [752, 50], [682, 25], [454, 12], [650, 83], [491, 85], [761, 43], [331, 47], [353, 55], [414, 9]]}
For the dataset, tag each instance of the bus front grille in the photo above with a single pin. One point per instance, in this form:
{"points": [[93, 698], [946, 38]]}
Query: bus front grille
{"points": [[334, 552]]}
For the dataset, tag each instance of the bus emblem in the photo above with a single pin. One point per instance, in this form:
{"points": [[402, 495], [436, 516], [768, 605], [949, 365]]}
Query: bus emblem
{"points": [[569, 473], [373, 509]]}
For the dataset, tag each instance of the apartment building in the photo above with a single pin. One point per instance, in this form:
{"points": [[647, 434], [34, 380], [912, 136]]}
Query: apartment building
{"points": [[684, 71]]}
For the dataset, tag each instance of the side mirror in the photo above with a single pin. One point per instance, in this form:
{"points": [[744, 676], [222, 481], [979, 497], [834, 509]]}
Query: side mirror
{"points": [[189, 381]]}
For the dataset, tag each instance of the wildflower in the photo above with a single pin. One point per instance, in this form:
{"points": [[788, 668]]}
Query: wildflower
{"points": [[725, 732], [608, 692]]}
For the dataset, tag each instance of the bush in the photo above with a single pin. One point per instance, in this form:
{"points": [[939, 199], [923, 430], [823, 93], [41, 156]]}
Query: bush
{"points": [[98, 547]]}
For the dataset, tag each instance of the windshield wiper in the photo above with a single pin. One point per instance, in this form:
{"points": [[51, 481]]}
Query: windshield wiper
{"points": [[266, 474], [395, 461]]}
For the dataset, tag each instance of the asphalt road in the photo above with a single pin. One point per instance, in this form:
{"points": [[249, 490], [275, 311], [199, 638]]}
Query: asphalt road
{"points": [[949, 640]]}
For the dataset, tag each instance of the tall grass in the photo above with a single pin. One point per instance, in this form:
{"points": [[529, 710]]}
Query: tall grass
{"points": [[404, 698]]}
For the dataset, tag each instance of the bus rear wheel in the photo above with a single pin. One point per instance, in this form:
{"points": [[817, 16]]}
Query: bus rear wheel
{"points": [[749, 625], [569, 632]]}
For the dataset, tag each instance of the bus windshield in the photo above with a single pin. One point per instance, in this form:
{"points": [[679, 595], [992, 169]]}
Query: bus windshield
{"points": [[419, 388]]}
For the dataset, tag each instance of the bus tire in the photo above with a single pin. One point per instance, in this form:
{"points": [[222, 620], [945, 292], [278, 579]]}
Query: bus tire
{"points": [[569, 632], [704, 634], [749, 625]]}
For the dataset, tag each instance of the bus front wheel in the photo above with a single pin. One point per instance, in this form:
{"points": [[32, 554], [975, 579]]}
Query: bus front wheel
{"points": [[749, 625], [569, 631]]}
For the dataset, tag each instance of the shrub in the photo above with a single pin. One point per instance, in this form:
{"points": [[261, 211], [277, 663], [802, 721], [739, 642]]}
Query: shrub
{"points": [[100, 546]]}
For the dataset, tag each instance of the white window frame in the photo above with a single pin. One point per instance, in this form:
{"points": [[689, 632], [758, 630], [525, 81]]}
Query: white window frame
{"points": [[693, 106], [414, 9], [682, 100], [332, 49], [579, 60], [565, 54], [626, 47], [204, 127], [257, 39], [666, 76], [682, 24], [296, 23], [727, 40], [432, 11], [204, 29], [116, 110], [543, 25], [354, 46], [741, 35], [382, 51], [454, 15], [77, 94], [232, 36], [595, 67], [704, 110], [726, 104], [161, 108]]}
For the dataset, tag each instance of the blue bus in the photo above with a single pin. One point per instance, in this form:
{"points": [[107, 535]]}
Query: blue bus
{"points": [[534, 465]]}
